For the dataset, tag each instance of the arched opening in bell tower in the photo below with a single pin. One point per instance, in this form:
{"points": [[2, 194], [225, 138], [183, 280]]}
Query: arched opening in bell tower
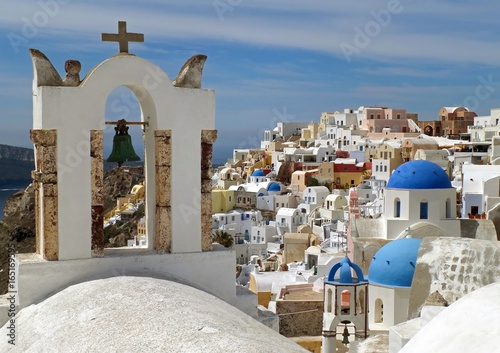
{"points": [[124, 186]]}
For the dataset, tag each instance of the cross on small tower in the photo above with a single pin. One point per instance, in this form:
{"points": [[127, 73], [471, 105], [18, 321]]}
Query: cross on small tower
{"points": [[122, 37], [347, 251]]}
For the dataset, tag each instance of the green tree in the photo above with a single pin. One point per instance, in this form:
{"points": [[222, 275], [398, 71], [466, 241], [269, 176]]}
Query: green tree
{"points": [[223, 238], [313, 182]]}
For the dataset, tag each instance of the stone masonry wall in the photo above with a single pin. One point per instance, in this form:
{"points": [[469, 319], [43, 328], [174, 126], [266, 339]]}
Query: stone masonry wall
{"points": [[208, 138], [46, 199], [163, 164]]}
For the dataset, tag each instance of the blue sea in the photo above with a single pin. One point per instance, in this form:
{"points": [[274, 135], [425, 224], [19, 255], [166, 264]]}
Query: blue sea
{"points": [[4, 195]]}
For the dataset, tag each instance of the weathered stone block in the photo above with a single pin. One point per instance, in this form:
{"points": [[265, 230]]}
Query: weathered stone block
{"points": [[38, 235], [163, 133], [208, 136], [206, 203], [44, 137], [206, 234], [97, 241], [163, 148], [206, 185], [50, 229], [43, 178], [49, 159], [163, 185], [97, 181], [163, 236], [38, 156], [96, 141], [50, 190], [206, 155], [206, 173]]}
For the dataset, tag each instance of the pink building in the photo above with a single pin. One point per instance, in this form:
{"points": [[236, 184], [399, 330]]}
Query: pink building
{"points": [[376, 119]]}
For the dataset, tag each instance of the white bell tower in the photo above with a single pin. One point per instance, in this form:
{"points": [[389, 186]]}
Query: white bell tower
{"points": [[346, 303]]}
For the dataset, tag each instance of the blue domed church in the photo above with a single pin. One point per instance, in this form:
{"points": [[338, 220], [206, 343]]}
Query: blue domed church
{"points": [[390, 277], [420, 193], [357, 306]]}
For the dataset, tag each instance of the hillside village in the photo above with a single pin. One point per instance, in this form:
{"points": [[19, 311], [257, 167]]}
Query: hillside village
{"points": [[315, 195]]}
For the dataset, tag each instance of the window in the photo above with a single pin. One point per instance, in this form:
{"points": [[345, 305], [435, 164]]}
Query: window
{"points": [[448, 208], [361, 302], [397, 208], [345, 301], [474, 210], [379, 311], [329, 301], [398, 116], [229, 198], [424, 209]]}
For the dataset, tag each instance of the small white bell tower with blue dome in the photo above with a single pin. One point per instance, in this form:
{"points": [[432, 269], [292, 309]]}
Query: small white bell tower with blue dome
{"points": [[345, 302]]}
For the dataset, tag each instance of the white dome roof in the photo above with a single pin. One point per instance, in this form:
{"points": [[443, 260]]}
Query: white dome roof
{"points": [[469, 325], [137, 314]]}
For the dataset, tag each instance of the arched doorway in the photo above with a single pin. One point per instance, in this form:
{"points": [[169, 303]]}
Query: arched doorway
{"points": [[428, 130]]}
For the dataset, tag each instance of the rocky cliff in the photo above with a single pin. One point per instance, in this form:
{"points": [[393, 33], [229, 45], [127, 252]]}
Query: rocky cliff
{"points": [[16, 164], [17, 153], [18, 225]]}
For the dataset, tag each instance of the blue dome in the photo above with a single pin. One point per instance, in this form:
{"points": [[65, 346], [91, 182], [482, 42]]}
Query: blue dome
{"points": [[258, 173], [419, 174], [345, 267], [274, 187], [394, 264]]}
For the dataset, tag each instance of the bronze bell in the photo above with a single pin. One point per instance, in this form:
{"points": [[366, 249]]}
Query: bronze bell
{"points": [[345, 335], [123, 151]]}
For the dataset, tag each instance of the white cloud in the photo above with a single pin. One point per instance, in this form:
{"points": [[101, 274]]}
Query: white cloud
{"points": [[316, 26]]}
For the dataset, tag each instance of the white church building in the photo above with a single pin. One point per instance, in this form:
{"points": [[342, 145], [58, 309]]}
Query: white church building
{"points": [[420, 193]]}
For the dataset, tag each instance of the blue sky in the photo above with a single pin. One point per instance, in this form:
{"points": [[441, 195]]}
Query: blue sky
{"points": [[267, 60]]}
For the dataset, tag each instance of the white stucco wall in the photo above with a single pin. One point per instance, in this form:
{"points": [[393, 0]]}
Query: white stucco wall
{"points": [[395, 310], [211, 271], [410, 210]]}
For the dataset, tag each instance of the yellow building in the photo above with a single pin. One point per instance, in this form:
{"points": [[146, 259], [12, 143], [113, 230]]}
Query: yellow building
{"points": [[325, 172], [222, 201], [349, 174], [300, 178]]}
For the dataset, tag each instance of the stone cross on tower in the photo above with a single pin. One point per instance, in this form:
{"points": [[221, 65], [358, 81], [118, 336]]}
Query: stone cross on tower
{"points": [[122, 37]]}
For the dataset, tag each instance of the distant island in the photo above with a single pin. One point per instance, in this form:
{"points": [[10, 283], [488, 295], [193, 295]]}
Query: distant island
{"points": [[16, 164]]}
